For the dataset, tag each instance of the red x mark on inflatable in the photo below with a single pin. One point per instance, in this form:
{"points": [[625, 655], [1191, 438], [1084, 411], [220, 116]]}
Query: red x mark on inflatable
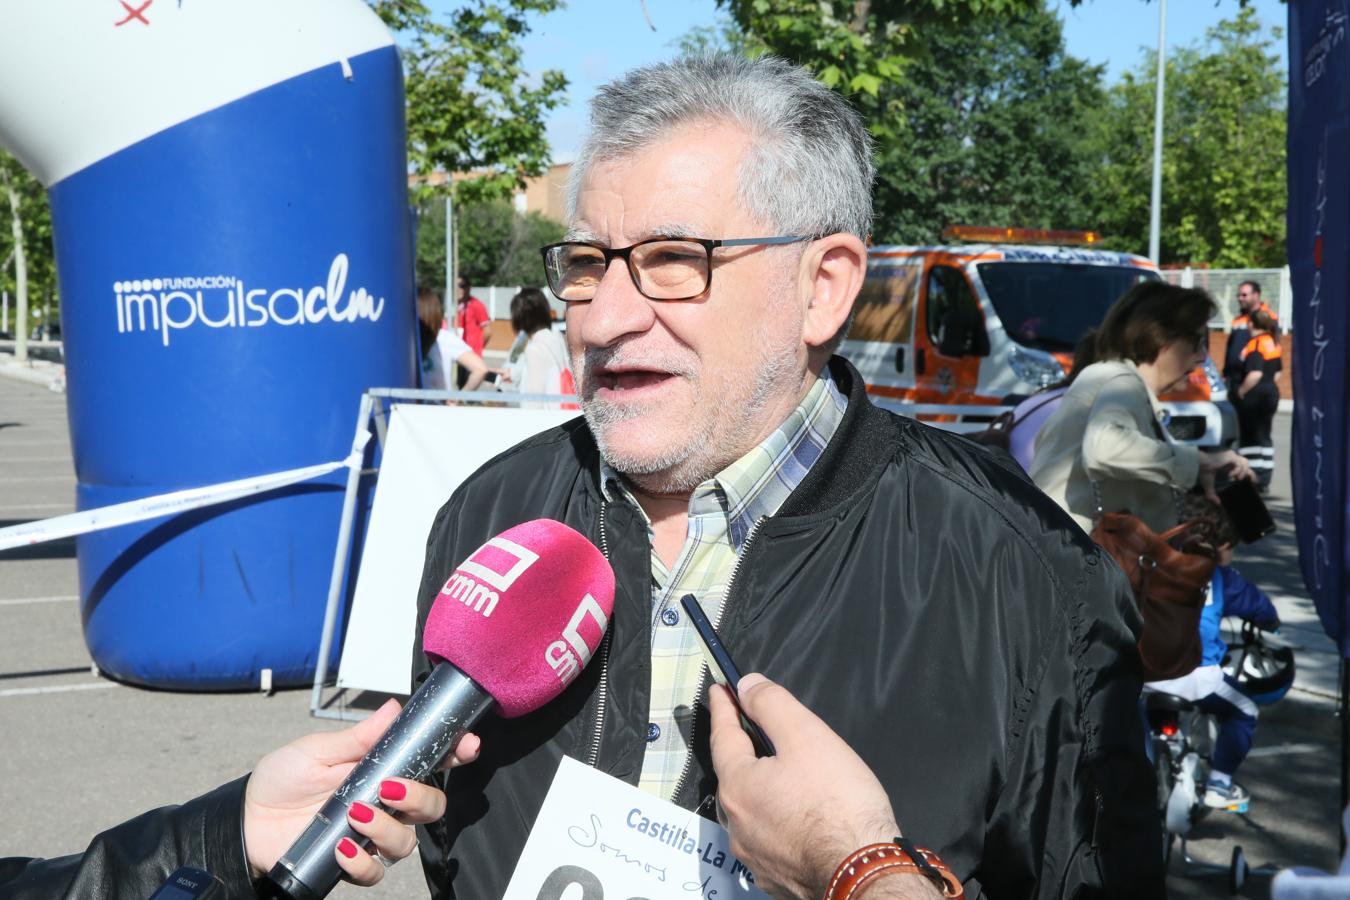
{"points": [[134, 13]]}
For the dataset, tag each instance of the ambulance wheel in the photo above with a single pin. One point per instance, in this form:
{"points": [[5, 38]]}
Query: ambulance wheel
{"points": [[1238, 871]]}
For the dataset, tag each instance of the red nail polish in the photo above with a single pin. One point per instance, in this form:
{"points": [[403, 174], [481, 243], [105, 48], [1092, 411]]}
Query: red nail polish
{"points": [[347, 847], [393, 790], [361, 813]]}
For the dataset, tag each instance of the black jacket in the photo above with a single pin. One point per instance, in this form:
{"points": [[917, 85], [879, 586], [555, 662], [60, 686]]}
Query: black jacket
{"points": [[131, 860], [919, 594]]}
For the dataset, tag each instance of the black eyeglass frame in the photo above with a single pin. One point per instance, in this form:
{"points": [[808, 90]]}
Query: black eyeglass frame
{"points": [[626, 254]]}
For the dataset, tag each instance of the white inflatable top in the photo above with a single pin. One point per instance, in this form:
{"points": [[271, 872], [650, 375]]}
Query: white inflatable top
{"points": [[81, 80]]}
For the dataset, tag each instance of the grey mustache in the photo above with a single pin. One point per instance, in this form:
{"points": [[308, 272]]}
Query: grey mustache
{"points": [[596, 359]]}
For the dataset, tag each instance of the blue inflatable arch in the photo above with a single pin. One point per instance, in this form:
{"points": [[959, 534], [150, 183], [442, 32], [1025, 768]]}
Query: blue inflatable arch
{"points": [[229, 201]]}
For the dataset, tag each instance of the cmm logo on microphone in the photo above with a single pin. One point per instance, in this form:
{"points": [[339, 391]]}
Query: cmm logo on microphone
{"points": [[570, 654], [480, 580]]}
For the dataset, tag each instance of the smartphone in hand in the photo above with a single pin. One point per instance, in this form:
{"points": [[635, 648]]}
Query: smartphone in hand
{"points": [[1248, 511], [718, 656]]}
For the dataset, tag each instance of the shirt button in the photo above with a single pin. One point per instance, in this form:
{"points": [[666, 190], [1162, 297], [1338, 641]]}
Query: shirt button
{"points": [[653, 731], [671, 616]]}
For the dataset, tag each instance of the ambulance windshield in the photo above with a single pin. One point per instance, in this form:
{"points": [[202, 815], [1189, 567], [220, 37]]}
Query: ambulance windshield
{"points": [[1050, 306]]}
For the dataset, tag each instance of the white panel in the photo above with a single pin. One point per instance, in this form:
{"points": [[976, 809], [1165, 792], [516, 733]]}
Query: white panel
{"points": [[430, 451], [76, 87]]}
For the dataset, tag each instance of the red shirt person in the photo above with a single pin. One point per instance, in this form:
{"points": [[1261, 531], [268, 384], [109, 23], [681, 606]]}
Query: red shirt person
{"points": [[471, 318]]}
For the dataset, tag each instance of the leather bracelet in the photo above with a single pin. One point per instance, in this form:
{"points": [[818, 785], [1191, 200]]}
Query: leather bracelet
{"points": [[876, 860]]}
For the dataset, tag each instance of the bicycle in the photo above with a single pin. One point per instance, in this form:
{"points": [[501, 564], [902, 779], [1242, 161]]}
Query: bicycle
{"points": [[1181, 739]]}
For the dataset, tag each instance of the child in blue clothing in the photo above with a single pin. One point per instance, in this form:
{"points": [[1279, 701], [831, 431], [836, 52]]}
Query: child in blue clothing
{"points": [[1209, 687]]}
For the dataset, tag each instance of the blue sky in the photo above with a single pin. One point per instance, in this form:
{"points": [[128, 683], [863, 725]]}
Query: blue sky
{"points": [[592, 41]]}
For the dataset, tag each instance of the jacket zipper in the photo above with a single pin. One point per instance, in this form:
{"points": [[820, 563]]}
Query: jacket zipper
{"points": [[602, 692], [703, 677]]}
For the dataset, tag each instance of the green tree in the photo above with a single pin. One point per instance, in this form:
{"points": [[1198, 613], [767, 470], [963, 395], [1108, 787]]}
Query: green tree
{"points": [[497, 244], [858, 48], [501, 246], [470, 109], [993, 127], [985, 125], [1223, 151], [721, 36], [27, 264], [470, 105]]}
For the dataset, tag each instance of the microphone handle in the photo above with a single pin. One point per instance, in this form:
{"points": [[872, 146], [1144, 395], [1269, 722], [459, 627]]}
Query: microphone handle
{"points": [[442, 711]]}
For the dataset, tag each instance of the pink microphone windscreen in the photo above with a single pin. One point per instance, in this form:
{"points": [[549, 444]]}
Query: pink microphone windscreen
{"points": [[524, 614]]}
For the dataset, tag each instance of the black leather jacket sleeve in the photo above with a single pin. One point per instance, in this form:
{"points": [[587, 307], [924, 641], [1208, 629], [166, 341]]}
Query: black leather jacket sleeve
{"points": [[131, 860]]}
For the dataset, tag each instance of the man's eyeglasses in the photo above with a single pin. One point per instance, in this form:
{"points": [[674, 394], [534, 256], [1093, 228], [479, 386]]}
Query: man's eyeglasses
{"points": [[661, 268]]}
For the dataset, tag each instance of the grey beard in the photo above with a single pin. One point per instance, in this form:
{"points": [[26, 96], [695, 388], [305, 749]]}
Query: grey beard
{"points": [[703, 453], [666, 473]]}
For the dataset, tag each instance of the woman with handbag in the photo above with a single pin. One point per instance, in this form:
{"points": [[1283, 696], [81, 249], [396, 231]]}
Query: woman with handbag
{"points": [[1105, 453], [1105, 449]]}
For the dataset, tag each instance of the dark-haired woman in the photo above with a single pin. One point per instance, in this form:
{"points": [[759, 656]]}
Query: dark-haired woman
{"points": [[1258, 397], [443, 349], [538, 360], [1104, 449]]}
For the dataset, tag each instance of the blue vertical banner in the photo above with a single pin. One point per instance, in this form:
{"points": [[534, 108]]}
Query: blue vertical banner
{"points": [[228, 186], [1319, 254]]}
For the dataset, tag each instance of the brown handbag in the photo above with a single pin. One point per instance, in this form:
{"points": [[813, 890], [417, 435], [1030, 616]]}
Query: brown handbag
{"points": [[1169, 589]]}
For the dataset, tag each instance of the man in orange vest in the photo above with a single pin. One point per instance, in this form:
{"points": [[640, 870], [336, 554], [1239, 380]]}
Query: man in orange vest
{"points": [[1249, 301], [1256, 396]]}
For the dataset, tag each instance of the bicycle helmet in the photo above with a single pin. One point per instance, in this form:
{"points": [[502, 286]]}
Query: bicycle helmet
{"points": [[1265, 673]]}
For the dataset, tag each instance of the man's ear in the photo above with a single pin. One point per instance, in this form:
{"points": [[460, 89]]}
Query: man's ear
{"points": [[831, 276]]}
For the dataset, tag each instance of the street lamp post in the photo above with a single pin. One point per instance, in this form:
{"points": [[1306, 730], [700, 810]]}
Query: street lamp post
{"points": [[1155, 205]]}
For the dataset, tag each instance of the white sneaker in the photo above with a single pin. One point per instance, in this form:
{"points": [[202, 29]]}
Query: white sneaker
{"points": [[1232, 797]]}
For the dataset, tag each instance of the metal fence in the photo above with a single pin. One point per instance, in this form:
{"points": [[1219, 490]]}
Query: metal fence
{"points": [[1222, 285]]}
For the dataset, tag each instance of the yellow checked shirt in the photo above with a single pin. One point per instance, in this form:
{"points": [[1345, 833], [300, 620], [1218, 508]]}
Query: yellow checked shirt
{"points": [[723, 512]]}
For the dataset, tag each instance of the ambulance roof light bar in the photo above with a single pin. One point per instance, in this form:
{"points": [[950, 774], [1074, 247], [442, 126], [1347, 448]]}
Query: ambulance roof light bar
{"points": [[987, 234]]}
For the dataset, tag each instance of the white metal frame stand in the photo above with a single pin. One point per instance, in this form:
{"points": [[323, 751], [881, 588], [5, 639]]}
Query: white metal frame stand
{"points": [[372, 411]]}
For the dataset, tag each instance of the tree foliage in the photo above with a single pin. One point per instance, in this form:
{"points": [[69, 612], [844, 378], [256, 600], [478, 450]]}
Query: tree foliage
{"points": [[471, 105], [497, 244], [980, 116], [1223, 151], [972, 125], [993, 127], [35, 222], [859, 47]]}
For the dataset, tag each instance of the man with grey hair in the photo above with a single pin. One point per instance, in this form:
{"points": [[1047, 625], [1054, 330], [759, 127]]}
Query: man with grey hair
{"points": [[943, 617]]}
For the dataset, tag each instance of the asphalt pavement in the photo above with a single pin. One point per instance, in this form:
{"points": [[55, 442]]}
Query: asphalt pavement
{"points": [[82, 753], [1293, 771]]}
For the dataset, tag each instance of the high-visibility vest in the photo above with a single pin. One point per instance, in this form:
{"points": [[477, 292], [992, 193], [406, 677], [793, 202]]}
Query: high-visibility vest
{"points": [[1243, 321], [1264, 344]]}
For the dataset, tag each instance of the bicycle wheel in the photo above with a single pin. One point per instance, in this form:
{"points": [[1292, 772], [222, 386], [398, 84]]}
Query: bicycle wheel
{"points": [[1167, 779]]}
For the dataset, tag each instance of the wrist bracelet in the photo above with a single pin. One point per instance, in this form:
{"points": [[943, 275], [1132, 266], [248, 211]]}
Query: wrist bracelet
{"points": [[863, 866]]}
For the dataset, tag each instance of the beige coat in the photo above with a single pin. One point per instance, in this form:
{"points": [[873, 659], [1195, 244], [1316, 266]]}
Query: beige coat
{"points": [[1106, 430]]}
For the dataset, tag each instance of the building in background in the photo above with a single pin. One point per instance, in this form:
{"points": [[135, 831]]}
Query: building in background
{"points": [[544, 194]]}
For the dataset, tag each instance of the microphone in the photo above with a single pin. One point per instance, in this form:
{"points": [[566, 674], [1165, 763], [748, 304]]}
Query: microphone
{"points": [[512, 627]]}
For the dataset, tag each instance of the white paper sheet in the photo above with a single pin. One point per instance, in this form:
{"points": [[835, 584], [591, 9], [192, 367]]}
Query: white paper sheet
{"points": [[598, 838]]}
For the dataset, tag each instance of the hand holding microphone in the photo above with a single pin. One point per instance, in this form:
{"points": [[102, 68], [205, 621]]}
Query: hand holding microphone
{"points": [[511, 628], [290, 784]]}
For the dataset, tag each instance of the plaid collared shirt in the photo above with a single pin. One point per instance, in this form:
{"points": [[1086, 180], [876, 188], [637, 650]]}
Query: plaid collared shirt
{"points": [[722, 513]]}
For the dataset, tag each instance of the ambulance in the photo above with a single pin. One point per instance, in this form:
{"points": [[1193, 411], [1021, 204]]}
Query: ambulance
{"points": [[993, 315]]}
